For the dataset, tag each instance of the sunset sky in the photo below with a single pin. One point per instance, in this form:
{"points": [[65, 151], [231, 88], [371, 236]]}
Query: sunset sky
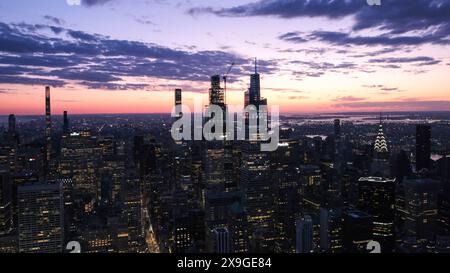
{"points": [[122, 56]]}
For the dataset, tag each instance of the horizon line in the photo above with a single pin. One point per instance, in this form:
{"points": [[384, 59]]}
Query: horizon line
{"points": [[281, 113]]}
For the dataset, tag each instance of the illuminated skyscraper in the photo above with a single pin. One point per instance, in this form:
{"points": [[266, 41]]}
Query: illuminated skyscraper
{"points": [[331, 230], [377, 198], [41, 218], [48, 128], [380, 163], [178, 97], [258, 191], [5, 202], [178, 110], [81, 160], [216, 93], [178, 102], [380, 146], [421, 208], [423, 147]]}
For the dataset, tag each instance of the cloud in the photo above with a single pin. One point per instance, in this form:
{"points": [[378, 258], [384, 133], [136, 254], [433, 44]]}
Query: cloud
{"points": [[346, 39], [6, 91], [83, 36], [30, 81], [398, 105], [315, 69], [394, 16], [144, 20], [349, 99], [91, 3], [91, 59], [54, 20], [297, 97], [116, 86], [420, 61], [401, 22], [285, 9], [382, 88]]}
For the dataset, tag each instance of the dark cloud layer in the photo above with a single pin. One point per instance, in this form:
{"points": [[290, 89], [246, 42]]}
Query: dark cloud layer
{"points": [[90, 3], [397, 16], [420, 61], [346, 39], [415, 104], [403, 22], [97, 61]]}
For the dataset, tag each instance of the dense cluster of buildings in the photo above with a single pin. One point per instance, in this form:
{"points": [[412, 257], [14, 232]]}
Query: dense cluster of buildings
{"points": [[147, 193]]}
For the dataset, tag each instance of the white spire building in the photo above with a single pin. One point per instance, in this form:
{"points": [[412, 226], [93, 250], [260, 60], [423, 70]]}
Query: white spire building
{"points": [[380, 164]]}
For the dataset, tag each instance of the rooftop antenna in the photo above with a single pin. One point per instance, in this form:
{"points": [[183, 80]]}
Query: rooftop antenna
{"points": [[256, 66]]}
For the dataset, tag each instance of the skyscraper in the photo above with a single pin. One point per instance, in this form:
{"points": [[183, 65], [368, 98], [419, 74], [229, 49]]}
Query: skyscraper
{"points": [[40, 212], [258, 190], [216, 93], [331, 230], [338, 149], [65, 123], [421, 208], [423, 147], [178, 110], [377, 198], [337, 127], [380, 163], [48, 128], [380, 146], [255, 87], [12, 124], [357, 230], [304, 235], [220, 240], [178, 97], [5, 202]]}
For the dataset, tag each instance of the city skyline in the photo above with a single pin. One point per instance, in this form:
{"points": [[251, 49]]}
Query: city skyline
{"points": [[115, 57], [126, 184]]}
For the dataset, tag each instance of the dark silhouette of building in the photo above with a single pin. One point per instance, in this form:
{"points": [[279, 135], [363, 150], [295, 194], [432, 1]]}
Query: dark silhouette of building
{"points": [[402, 166], [220, 241], [357, 230], [423, 147], [12, 124], [254, 92], [304, 234], [337, 127], [65, 123]]}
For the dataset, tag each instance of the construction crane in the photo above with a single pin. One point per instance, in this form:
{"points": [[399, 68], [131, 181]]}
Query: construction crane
{"points": [[225, 79]]}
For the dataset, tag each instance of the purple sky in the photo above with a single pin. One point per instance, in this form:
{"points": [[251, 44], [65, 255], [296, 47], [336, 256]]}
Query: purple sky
{"points": [[315, 56]]}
